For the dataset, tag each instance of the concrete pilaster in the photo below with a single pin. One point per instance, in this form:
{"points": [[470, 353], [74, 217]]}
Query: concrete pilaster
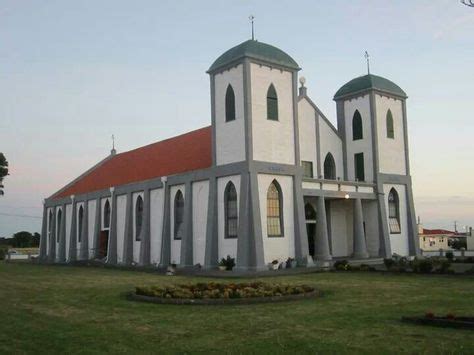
{"points": [[72, 233], [62, 237], [360, 245], [52, 238], [128, 237], [85, 233], [112, 247], [301, 235], [384, 241], [187, 241], [211, 255], [97, 228], [44, 235], [166, 232], [321, 242], [145, 243]]}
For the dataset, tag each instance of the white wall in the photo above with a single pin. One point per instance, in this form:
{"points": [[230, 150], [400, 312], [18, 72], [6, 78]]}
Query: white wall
{"points": [[68, 229], [156, 224], [398, 242], [273, 141], [200, 202], [230, 136], [362, 145], [136, 244], [121, 213], [226, 246], [307, 129], [175, 244], [91, 226], [370, 212], [330, 143], [279, 248], [391, 151], [342, 227]]}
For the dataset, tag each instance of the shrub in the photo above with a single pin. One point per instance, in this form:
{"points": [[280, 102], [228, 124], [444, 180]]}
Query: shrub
{"points": [[228, 262], [389, 263], [220, 290], [450, 255], [3, 252], [342, 265], [423, 266], [444, 266]]}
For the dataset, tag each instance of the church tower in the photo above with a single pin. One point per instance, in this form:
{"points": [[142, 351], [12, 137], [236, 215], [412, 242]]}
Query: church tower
{"points": [[371, 116]]}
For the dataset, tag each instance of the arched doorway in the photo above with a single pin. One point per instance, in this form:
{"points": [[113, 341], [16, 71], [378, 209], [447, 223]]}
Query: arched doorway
{"points": [[310, 216]]}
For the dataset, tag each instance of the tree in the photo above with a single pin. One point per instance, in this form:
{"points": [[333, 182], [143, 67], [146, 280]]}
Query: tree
{"points": [[3, 171], [25, 240]]}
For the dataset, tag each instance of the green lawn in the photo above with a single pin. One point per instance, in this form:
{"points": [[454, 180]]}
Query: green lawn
{"points": [[54, 309]]}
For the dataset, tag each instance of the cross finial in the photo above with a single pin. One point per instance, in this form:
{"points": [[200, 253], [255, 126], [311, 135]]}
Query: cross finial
{"points": [[368, 61], [113, 151], [251, 18]]}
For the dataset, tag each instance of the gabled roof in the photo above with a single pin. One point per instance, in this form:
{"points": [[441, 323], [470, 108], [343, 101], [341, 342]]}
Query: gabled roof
{"points": [[187, 152], [257, 50], [367, 82], [437, 232]]}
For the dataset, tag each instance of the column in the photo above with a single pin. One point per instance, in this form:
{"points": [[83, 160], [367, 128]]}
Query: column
{"points": [[187, 241], [211, 257], [128, 237], [145, 243], [44, 235], [360, 245], [72, 234], [97, 228], [112, 249], [166, 232], [52, 237], [321, 242], [62, 237], [301, 235], [85, 232]]}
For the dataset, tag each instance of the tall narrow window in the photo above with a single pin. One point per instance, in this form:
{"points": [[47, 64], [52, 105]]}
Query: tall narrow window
{"points": [[307, 168], [178, 215], [230, 211], [229, 104], [274, 210], [138, 218], [107, 214], [59, 224], [80, 219], [394, 212], [50, 223], [359, 166], [390, 130], [329, 167], [272, 103], [357, 126]]}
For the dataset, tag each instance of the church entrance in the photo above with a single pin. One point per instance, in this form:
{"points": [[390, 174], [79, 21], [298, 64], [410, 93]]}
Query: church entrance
{"points": [[103, 243], [310, 215]]}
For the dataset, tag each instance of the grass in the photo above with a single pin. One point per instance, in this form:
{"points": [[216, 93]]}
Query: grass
{"points": [[58, 309]]}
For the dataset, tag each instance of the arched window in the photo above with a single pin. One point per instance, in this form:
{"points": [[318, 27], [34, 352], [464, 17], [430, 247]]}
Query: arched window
{"points": [[107, 214], [329, 167], [80, 218], [390, 130], [50, 223], [59, 224], [230, 210], [178, 215], [272, 104], [274, 210], [394, 212], [229, 104], [138, 218], [357, 126]]}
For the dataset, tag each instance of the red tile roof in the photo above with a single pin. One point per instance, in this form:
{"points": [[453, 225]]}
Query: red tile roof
{"points": [[437, 232], [187, 152]]}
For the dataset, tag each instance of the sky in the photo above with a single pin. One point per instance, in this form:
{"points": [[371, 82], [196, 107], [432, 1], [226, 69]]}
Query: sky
{"points": [[72, 73]]}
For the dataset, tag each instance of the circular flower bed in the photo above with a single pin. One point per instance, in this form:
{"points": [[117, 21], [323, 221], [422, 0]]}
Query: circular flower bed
{"points": [[220, 293]]}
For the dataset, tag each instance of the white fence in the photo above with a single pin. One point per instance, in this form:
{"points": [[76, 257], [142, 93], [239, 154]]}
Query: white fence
{"points": [[458, 253]]}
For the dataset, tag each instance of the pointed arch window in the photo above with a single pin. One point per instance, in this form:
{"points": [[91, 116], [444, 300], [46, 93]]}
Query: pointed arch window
{"points": [[357, 126], [178, 215], [394, 212], [272, 104], [50, 223], [329, 167], [229, 104], [107, 214], [80, 219], [274, 210], [390, 129], [138, 218], [59, 224], [230, 211]]}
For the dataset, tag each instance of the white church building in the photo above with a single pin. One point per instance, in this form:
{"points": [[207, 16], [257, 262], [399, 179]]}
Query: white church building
{"points": [[270, 178]]}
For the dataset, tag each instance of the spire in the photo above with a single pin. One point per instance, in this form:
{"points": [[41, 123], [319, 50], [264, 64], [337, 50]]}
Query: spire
{"points": [[368, 62], [113, 151], [251, 18]]}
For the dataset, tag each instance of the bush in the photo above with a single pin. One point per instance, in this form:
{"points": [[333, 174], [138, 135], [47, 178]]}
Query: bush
{"points": [[424, 266], [389, 263], [208, 290], [3, 251], [342, 265], [228, 262], [450, 255], [444, 266]]}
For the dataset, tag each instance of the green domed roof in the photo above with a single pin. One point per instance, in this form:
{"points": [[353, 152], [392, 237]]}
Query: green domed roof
{"points": [[256, 50], [367, 82]]}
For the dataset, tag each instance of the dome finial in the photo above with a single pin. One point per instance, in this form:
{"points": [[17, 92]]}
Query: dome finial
{"points": [[368, 62], [251, 18]]}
